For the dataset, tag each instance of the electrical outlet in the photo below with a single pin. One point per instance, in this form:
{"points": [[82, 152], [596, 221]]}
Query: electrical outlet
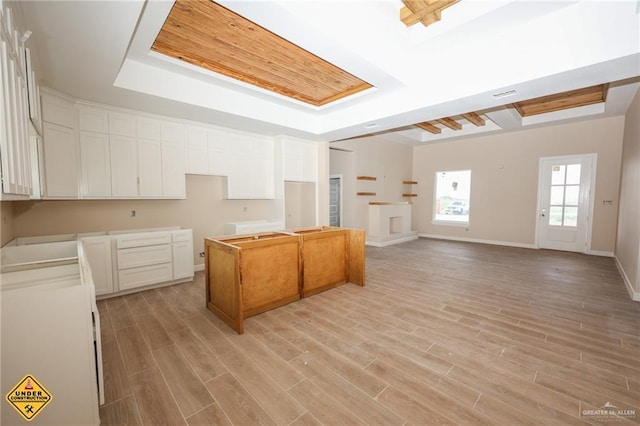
{"points": [[201, 254]]}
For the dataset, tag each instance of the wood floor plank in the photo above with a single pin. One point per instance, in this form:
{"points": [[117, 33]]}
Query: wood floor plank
{"points": [[116, 381], [359, 403], [211, 415], [413, 411], [322, 406], [121, 412], [236, 403], [189, 392], [208, 333], [155, 336], [271, 397], [154, 399], [120, 313], [135, 354], [201, 359], [306, 419], [278, 369]]}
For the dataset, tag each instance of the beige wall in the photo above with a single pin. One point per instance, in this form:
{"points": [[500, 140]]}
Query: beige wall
{"points": [[628, 237], [504, 181], [204, 210], [389, 162], [6, 222], [299, 204]]}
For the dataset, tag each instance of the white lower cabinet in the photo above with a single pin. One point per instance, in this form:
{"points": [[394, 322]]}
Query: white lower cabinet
{"points": [[144, 275], [98, 253], [182, 248], [123, 261]]}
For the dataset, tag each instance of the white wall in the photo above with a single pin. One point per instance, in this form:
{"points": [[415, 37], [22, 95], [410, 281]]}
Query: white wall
{"points": [[628, 235]]}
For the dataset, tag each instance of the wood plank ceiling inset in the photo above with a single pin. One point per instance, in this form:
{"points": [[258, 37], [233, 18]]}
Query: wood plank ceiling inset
{"points": [[564, 100], [208, 35], [425, 11]]}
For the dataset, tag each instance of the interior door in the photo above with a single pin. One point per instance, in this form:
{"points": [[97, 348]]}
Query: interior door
{"points": [[564, 194], [334, 201]]}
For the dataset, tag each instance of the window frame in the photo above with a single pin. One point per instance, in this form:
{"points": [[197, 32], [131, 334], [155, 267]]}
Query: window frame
{"points": [[444, 222]]}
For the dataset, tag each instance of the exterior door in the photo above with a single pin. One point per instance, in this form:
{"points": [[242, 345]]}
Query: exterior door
{"points": [[564, 216], [334, 201]]}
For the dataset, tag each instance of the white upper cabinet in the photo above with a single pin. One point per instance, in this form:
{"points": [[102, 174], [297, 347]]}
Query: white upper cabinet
{"points": [[57, 110], [14, 120], [150, 168], [251, 168], [173, 173], [96, 165], [122, 124], [60, 162], [93, 119], [124, 166], [148, 128], [218, 152], [197, 150], [299, 160], [172, 132]]}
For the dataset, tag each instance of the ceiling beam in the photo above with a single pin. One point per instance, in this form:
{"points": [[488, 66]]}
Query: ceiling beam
{"points": [[425, 11], [429, 127], [450, 123], [474, 118]]}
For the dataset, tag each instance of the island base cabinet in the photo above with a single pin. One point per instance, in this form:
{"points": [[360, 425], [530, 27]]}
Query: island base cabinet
{"points": [[249, 275], [330, 257]]}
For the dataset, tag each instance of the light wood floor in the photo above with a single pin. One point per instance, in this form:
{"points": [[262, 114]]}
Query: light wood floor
{"points": [[443, 332]]}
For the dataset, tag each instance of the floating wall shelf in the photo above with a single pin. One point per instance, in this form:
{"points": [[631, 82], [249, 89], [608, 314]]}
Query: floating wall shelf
{"points": [[367, 178], [409, 182], [366, 194], [409, 195]]}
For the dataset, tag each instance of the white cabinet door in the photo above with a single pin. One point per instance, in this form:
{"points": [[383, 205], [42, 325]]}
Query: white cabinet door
{"points": [[93, 119], [291, 160], [218, 153], [14, 142], [96, 166], [308, 162], [122, 124], [60, 162], [251, 168], [56, 110], [197, 151], [150, 168], [124, 166], [173, 173], [182, 260], [98, 252]]}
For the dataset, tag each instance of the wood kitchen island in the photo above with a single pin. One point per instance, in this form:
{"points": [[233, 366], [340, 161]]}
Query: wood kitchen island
{"points": [[250, 274]]}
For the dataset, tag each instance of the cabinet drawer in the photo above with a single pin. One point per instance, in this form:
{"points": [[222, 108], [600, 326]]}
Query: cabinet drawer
{"points": [[180, 236], [143, 256], [143, 239], [146, 275]]}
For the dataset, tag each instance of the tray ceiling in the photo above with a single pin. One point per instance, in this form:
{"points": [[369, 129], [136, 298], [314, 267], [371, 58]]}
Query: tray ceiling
{"points": [[211, 36]]}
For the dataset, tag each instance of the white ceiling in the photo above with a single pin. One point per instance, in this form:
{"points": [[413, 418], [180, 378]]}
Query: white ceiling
{"points": [[99, 51]]}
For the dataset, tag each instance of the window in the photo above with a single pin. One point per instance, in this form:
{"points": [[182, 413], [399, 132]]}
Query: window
{"points": [[565, 191], [453, 191]]}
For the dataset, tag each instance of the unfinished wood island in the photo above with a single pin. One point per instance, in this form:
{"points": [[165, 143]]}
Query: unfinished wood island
{"points": [[250, 274]]}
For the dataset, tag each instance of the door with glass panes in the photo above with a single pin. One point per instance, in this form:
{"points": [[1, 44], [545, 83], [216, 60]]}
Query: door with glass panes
{"points": [[564, 193]]}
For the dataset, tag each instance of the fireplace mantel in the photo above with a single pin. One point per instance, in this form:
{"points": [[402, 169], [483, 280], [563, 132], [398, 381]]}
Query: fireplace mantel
{"points": [[389, 223]]}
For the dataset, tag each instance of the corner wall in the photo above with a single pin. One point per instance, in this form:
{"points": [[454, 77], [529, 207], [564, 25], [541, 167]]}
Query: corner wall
{"points": [[627, 249], [389, 162], [504, 180], [6, 222]]}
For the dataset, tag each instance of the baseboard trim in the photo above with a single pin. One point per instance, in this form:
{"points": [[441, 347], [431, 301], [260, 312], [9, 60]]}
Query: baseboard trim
{"points": [[391, 242], [600, 253], [635, 295], [478, 240], [198, 267]]}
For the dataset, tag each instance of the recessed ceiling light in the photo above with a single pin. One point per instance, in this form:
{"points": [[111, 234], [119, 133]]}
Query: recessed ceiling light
{"points": [[504, 94], [371, 126]]}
